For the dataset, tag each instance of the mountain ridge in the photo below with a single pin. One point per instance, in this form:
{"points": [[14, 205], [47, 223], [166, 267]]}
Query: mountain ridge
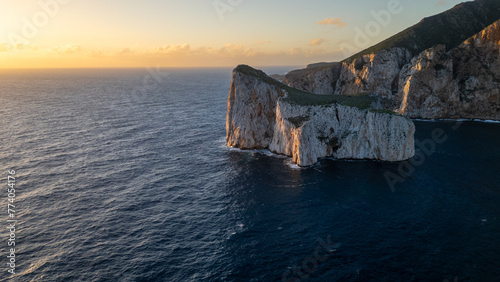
{"points": [[474, 17], [449, 28], [458, 80]]}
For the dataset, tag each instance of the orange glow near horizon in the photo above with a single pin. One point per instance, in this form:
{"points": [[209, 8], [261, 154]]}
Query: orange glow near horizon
{"points": [[198, 33]]}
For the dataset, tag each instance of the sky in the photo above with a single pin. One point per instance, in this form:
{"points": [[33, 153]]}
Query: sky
{"points": [[198, 33]]}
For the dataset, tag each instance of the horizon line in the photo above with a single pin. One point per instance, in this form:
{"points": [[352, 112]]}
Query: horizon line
{"points": [[145, 67]]}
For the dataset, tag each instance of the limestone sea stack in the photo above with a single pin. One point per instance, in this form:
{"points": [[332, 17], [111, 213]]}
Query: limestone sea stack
{"points": [[264, 113]]}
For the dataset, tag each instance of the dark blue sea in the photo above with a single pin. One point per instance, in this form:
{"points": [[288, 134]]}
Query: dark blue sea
{"points": [[123, 175]]}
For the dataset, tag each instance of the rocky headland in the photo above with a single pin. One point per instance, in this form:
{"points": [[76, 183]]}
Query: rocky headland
{"points": [[446, 66], [264, 113]]}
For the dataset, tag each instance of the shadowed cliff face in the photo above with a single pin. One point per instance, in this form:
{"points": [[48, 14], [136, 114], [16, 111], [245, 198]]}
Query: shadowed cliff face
{"points": [[260, 115], [463, 82]]}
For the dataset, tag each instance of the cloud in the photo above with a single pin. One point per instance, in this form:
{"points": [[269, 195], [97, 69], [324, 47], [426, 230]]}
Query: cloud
{"points": [[5, 47], [97, 54], [441, 3], [184, 55], [125, 52], [236, 50], [300, 52], [67, 49], [172, 48], [317, 42], [232, 54], [333, 21]]}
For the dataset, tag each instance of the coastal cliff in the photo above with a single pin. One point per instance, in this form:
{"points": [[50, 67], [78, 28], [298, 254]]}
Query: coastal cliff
{"points": [[251, 111], [461, 83], [446, 66], [310, 132], [264, 113]]}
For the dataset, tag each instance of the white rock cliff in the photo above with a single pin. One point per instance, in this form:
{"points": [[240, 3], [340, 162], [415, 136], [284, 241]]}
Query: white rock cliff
{"points": [[374, 73], [260, 116], [310, 132], [251, 112]]}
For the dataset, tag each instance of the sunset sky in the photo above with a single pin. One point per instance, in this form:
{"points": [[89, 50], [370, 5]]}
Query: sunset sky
{"points": [[197, 33]]}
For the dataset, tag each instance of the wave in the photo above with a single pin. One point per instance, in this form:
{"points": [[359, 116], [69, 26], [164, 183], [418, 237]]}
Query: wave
{"points": [[458, 120]]}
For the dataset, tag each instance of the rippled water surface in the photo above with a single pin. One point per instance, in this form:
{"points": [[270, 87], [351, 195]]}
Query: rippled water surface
{"points": [[125, 177]]}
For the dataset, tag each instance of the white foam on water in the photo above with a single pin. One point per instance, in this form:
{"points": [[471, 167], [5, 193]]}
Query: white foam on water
{"points": [[458, 120], [487, 120], [426, 120], [221, 142], [292, 165], [265, 152]]}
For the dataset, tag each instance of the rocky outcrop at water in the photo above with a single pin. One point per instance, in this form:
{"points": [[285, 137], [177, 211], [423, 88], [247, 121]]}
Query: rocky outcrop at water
{"points": [[251, 111], [461, 83], [446, 66], [263, 113], [310, 132]]}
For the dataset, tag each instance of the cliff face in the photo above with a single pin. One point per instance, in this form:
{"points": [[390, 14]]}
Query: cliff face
{"points": [[463, 82], [310, 132], [251, 112], [261, 115], [319, 80], [427, 85], [449, 28], [374, 73]]}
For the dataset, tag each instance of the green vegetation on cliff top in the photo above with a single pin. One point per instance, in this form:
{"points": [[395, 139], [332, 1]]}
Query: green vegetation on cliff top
{"points": [[303, 98]]}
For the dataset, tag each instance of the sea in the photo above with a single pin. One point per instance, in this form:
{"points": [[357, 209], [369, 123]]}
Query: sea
{"points": [[124, 175]]}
